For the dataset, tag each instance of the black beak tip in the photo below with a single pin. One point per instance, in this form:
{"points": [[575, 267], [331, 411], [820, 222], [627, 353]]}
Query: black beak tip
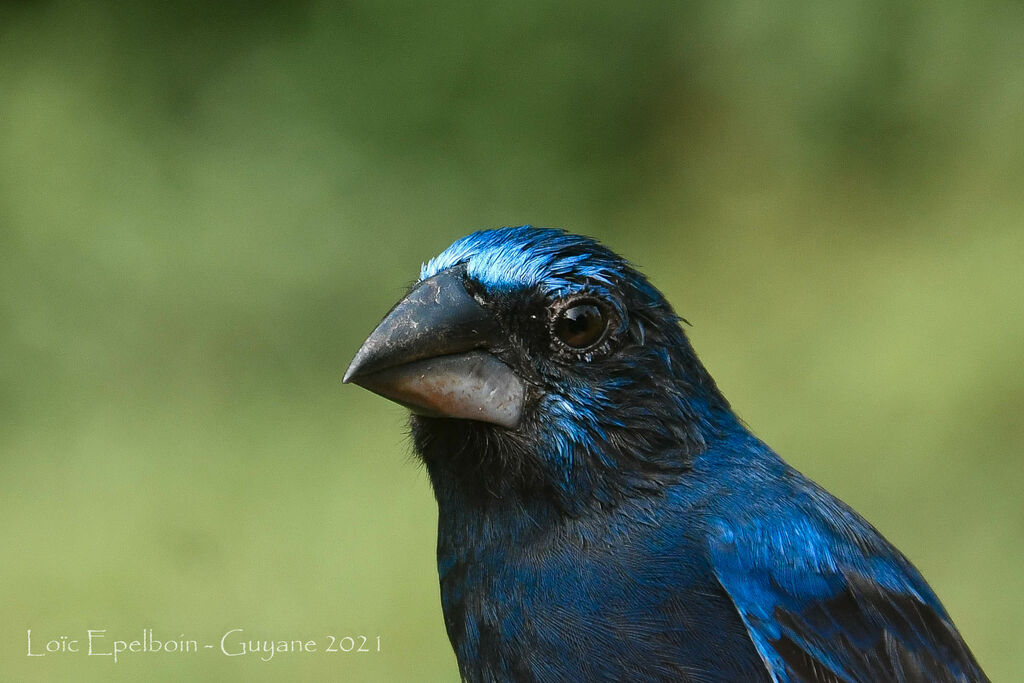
{"points": [[354, 369], [367, 359]]}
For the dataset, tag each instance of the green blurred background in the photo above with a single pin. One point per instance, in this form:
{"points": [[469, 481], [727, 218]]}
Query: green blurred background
{"points": [[205, 207]]}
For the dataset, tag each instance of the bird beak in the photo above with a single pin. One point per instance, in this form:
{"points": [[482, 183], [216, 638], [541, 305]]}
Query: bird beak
{"points": [[430, 354]]}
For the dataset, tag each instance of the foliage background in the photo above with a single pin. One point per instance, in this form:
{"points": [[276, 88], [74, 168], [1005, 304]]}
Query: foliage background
{"points": [[204, 208]]}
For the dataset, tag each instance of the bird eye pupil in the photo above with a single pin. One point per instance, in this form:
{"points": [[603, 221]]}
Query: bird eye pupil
{"points": [[580, 326]]}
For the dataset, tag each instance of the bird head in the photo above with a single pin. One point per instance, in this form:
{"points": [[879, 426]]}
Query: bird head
{"points": [[538, 364]]}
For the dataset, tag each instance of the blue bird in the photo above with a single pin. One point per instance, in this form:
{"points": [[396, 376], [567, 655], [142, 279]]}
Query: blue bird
{"points": [[603, 513]]}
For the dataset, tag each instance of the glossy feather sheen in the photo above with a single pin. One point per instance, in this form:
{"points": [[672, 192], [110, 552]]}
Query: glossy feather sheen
{"points": [[631, 528]]}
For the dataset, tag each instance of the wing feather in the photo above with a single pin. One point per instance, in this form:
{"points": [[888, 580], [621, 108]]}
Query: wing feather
{"points": [[820, 609]]}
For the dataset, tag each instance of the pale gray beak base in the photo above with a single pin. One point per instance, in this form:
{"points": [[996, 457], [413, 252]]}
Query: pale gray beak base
{"points": [[470, 386]]}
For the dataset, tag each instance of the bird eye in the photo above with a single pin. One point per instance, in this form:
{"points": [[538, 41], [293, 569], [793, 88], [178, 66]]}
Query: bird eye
{"points": [[581, 325]]}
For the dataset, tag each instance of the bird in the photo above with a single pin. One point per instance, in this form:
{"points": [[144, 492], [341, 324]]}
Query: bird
{"points": [[603, 513]]}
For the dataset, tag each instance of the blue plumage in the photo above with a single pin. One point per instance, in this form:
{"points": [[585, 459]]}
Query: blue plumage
{"points": [[629, 527]]}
